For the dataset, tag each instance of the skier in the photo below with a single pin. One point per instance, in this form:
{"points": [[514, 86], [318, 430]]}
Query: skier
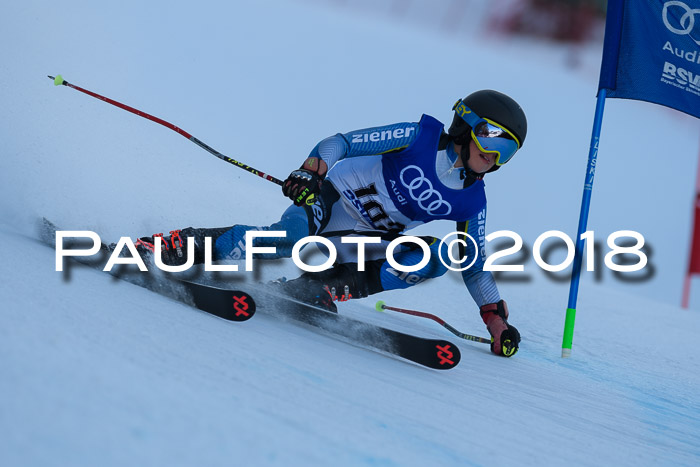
{"points": [[381, 182]]}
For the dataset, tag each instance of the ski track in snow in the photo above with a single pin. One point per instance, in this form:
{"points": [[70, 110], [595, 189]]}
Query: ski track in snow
{"points": [[159, 380]]}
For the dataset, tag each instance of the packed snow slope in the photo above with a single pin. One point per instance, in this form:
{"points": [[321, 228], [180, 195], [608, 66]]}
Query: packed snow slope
{"points": [[95, 371]]}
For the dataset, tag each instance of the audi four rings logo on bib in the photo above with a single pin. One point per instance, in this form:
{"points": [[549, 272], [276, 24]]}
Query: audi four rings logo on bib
{"points": [[685, 24], [429, 199]]}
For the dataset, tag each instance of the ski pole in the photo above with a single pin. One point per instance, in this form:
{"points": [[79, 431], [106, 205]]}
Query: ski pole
{"points": [[58, 80], [381, 306]]}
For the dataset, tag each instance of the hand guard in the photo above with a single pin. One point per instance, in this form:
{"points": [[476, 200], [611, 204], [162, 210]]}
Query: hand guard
{"points": [[504, 337], [305, 182]]}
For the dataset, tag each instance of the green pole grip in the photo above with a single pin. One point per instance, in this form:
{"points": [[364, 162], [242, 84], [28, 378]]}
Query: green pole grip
{"points": [[568, 332]]}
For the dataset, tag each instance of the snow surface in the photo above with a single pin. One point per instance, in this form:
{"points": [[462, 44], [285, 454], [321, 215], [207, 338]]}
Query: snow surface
{"points": [[95, 371]]}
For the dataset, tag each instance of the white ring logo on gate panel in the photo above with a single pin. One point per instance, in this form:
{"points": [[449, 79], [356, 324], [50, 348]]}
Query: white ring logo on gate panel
{"points": [[429, 200], [686, 22]]}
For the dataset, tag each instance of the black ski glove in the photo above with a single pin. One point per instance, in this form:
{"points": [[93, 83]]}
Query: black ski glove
{"points": [[504, 337], [304, 183]]}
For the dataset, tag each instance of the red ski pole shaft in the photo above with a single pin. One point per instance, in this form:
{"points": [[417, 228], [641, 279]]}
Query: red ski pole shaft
{"points": [[58, 80], [381, 306]]}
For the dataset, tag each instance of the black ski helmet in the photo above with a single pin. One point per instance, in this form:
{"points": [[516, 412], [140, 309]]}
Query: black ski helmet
{"points": [[495, 106]]}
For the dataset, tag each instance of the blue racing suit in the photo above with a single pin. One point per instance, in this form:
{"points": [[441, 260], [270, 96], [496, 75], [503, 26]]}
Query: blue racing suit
{"points": [[383, 181]]}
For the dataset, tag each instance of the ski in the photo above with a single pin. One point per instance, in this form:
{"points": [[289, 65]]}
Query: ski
{"points": [[228, 304], [231, 305], [438, 354], [241, 305]]}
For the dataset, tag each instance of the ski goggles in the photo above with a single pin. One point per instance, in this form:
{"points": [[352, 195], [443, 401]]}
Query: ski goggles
{"points": [[488, 135]]}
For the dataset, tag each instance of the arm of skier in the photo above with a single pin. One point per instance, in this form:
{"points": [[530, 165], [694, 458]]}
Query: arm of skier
{"points": [[366, 142], [306, 181], [505, 338]]}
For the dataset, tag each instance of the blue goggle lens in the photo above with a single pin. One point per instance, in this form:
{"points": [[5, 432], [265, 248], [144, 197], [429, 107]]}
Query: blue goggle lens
{"points": [[489, 136], [493, 138]]}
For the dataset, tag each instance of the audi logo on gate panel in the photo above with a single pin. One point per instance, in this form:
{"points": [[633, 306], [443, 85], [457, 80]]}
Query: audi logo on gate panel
{"points": [[685, 23], [428, 199]]}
